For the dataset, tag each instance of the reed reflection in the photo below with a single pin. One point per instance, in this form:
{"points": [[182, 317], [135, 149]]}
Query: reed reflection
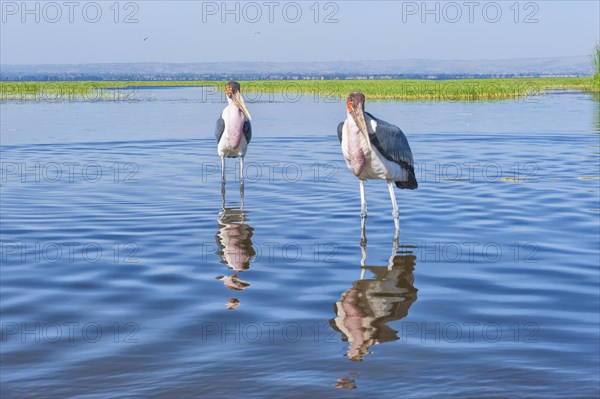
{"points": [[234, 238], [596, 98], [364, 310]]}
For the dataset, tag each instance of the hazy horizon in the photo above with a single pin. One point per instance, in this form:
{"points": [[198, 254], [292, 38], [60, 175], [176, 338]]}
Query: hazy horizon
{"points": [[421, 68], [313, 61]]}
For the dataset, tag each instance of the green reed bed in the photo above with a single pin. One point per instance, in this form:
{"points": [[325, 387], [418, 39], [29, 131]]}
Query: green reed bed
{"points": [[464, 89], [432, 90]]}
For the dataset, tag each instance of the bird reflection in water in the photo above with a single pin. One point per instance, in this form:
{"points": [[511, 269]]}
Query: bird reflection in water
{"points": [[364, 310], [234, 238]]}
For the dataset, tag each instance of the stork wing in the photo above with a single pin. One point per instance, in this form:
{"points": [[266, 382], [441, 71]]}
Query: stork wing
{"points": [[393, 145], [340, 131], [247, 130], [219, 129]]}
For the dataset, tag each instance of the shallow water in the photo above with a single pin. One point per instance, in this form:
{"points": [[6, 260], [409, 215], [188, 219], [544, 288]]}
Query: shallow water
{"points": [[114, 239]]}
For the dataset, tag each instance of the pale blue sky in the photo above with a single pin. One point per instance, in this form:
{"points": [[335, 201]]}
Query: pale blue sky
{"points": [[366, 30]]}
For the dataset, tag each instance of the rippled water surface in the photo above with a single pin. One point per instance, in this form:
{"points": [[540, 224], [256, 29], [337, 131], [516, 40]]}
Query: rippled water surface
{"points": [[125, 275]]}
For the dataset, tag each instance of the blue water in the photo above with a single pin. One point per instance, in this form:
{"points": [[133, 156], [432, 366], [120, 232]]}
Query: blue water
{"points": [[119, 255]]}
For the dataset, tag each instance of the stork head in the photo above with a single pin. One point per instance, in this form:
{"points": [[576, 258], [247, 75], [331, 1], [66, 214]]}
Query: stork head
{"points": [[232, 89], [355, 106]]}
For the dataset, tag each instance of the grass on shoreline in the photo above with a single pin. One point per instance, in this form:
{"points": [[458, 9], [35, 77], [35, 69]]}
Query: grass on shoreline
{"points": [[410, 90]]}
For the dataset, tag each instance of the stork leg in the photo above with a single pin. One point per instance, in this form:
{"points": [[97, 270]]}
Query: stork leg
{"points": [[242, 171], [395, 213], [363, 232], [222, 170], [363, 200], [363, 214]]}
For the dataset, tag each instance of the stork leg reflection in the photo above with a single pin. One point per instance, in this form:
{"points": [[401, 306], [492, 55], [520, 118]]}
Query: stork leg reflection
{"points": [[364, 253], [234, 240], [363, 259], [242, 196], [222, 196], [384, 296]]}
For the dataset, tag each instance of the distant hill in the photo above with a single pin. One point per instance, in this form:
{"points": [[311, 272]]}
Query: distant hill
{"points": [[410, 68]]}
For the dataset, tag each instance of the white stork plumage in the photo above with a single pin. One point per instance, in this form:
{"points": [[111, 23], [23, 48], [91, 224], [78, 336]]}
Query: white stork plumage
{"points": [[375, 149], [233, 131]]}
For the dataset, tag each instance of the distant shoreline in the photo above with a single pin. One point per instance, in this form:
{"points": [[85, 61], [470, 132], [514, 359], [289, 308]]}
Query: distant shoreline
{"points": [[383, 89]]}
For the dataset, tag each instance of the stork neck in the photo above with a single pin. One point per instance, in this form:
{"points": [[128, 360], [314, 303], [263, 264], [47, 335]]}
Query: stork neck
{"points": [[235, 122], [351, 121], [353, 129], [354, 137], [355, 150]]}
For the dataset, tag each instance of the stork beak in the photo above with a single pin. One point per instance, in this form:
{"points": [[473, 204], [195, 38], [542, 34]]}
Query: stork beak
{"points": [[239, 102], [359, 118]]}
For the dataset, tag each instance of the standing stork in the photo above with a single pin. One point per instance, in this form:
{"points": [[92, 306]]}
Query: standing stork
{"points": [[233, 131], [374, 149]]}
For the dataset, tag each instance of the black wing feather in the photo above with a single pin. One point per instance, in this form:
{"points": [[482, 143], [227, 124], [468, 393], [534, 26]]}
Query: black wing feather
{"points": [[219, 129], [393, 145], [247, 130], [340, 131]]}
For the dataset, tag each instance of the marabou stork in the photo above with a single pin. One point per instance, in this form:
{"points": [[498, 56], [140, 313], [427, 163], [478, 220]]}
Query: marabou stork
{"points": [[374, 149], [233, 131]]}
